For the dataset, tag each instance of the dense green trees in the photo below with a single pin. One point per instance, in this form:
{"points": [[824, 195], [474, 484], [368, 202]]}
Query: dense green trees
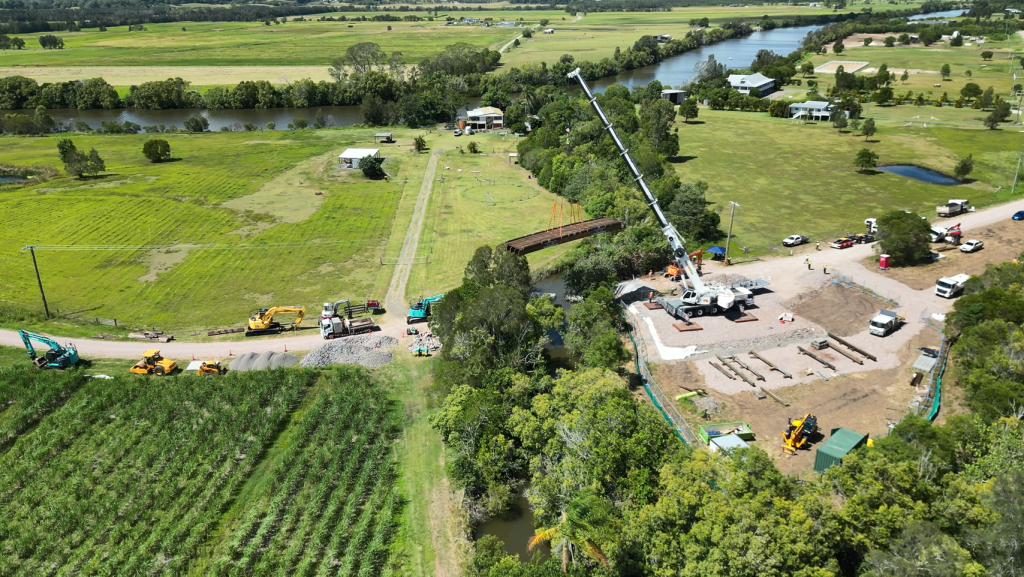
{"points": [[78, 163], [372, 167], [156, 150], [904, 236]]}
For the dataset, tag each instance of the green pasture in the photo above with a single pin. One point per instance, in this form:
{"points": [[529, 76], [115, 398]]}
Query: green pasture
{"points": [[596, 35], [470, 209], [926, 62], [255, 44], [802, 179], [279, 244]]}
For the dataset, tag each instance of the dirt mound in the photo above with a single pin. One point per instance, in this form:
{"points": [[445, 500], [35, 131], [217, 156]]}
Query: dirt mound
{"points": [[840, 310]]}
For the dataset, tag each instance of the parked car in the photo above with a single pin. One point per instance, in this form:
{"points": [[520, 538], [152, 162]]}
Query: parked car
{"points": [[794, 240], [457, 133], [1019, 215], [860, 237], [841, 243], [971, 246]]}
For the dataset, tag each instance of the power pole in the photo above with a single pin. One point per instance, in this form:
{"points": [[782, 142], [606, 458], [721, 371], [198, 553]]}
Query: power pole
{"points": [[728, 237], [1020, 155], [32, 249]]}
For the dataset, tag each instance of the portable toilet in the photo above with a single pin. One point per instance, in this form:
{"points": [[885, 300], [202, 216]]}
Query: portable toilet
{"points": [[832, 451], [883, 261]]}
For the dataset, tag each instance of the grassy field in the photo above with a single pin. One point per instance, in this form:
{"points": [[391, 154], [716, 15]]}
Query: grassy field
{"points": [[596, 35], [488, 202], [191, 261], [308, 43], [802, 180], [924, 64]]}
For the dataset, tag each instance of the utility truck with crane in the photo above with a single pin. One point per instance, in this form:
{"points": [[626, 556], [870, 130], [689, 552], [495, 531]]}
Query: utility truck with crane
{"points": [[262, 321], [697, 297], [885, 322], [334, 323], [55, 357], [422, 308]]}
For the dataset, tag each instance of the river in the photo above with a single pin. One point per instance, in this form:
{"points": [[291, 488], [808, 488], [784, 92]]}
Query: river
{"points": [[735, 53], [945, 14]]}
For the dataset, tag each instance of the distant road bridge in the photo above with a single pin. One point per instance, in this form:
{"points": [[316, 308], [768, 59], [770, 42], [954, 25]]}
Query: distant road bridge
{"points": [[562, 234]]}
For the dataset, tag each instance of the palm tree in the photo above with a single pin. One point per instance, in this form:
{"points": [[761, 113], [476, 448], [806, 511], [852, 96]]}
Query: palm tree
{"points": [[586, 522]]}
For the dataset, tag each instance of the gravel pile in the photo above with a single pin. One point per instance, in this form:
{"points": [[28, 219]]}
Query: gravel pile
{"points": [[262, 362], [708, 404], [364, 350], [724, 278], [428, 340]]}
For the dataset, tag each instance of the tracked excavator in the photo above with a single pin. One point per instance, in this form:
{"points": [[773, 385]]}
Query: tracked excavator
{"points": [[262, 321], [798, 433], [698, 298], [56, 357]]}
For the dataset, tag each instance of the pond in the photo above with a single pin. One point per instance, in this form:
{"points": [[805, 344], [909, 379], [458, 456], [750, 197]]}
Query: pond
{"points": [[515, 531], [918, 173], [734, 53], [9, 179]]}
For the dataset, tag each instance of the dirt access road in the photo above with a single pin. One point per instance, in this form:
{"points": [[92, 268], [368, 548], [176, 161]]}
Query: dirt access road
{"points": [[789, 275]]}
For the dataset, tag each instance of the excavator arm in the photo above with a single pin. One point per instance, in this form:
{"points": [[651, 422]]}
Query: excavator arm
{"points": [[57, 357], [674, 239]]}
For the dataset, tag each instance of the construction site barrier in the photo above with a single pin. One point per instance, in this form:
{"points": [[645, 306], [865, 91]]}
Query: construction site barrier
{"points": [[937, 400], [658, 398]]}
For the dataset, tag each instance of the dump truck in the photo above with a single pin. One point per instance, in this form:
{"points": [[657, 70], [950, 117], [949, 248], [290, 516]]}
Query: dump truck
{"points": [[951, 286], [334, 327], [205, 368], [153, 363], [885, 322], [953, 207]]}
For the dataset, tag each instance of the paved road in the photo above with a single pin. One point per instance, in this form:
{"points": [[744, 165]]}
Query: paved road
{"points": [[395, 300], [788, 275]]}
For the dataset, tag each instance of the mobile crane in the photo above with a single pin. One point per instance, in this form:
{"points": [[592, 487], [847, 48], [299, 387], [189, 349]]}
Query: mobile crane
{"points": [[262, 321], [57, 357], [698, 298]]}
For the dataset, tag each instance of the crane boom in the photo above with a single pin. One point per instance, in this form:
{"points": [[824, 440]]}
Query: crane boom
{"points": [[670, 232]]}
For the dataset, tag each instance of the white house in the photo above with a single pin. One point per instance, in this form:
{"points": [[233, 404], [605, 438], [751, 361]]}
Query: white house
{"points": [[663, 38], [549, 30], [351, 157], [813, 109], [485, 117], [1012, 10], [753, 84]]}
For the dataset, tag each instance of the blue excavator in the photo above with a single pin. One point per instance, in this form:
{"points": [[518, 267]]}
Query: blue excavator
{"points": [[421, 309], [57, 357]]}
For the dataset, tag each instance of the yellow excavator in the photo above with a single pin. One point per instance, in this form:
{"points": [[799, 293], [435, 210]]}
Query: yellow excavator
{"points": [[799, 433], [262, 321]]}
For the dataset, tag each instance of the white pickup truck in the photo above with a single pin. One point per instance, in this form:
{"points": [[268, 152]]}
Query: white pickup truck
{"points": [[951, 286], [885, 322]]}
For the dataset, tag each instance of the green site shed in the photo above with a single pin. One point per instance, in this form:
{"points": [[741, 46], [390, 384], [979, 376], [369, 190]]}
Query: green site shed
{"points": [[832, 451]]}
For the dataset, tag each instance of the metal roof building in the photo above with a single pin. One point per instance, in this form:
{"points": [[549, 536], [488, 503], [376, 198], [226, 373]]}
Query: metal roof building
{"points": [[351, 157], [832, 451]]}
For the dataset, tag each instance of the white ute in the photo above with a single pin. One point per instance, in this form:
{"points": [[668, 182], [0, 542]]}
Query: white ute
{"points": [[885, 322], [951, 286]]}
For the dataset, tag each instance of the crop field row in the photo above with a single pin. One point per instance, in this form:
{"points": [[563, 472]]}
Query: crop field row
{"points": [[134, 476], [214, 264], [330, 504], [288, 472]]}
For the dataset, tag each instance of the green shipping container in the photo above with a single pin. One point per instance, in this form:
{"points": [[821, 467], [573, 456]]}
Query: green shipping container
{"points": [[832, 451]]}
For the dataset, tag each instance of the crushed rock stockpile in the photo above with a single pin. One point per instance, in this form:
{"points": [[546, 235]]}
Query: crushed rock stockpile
{"points": [[364, 350], [262, 361], [428, 340]]}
